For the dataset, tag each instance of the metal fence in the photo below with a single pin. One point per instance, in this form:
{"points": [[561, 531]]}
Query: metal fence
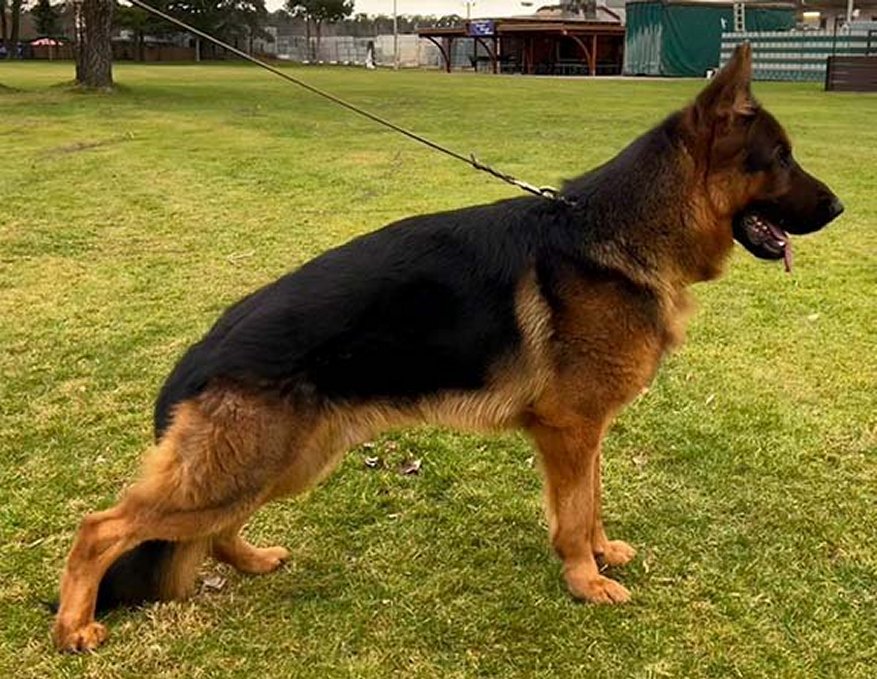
{"points": [[341, 49], [800, 55]]}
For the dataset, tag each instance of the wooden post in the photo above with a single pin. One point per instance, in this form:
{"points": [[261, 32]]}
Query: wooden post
{"points": [[585, 51], [592, 66], [444, 50], [490, 52]]}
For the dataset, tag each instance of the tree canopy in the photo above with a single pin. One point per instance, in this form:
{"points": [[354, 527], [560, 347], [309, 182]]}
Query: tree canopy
{"points": [[228, 20], [320, 11], [47, 19]]}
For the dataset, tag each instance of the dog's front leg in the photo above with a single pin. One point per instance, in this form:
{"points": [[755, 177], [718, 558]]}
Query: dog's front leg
{"points": [[610, 552], [570, 459]]}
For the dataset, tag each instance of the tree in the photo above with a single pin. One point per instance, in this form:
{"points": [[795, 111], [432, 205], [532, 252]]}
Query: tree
{"points": [[319, 11], [228, 20], [47, 19], [244, 21], [141, 23], [252, 18], [3, 26], [93, 23], [15, 7]]}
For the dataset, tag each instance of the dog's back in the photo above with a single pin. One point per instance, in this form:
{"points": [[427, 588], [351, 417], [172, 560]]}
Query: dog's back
{"points": [[420, 306]]}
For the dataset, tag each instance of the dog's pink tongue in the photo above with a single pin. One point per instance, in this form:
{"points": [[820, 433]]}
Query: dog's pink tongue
{"points": [[783, 237]]}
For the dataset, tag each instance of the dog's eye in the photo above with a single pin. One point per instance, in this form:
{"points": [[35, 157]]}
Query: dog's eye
{"points": [[784, 156]]}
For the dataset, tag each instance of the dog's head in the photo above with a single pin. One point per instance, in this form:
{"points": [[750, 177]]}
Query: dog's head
{"points": [[750, 172]]}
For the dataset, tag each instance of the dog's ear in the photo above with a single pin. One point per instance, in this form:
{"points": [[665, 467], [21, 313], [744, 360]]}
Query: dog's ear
{"points": [[728, 97]]}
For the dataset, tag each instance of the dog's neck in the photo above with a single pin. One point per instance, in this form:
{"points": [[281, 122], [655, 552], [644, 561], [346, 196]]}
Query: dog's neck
{"points": [[667, 230]]}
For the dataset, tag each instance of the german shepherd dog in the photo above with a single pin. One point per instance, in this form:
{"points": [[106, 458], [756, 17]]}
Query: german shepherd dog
{"points": [[544, 315]]}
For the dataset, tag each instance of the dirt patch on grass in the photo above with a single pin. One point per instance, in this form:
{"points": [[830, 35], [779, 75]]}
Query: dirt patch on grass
{"points": [[78, 146]]}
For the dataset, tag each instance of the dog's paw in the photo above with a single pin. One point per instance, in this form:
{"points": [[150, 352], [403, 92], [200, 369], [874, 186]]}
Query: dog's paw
{"points": [[597, 590], [267, 559], [85, 638], [617, 553]]}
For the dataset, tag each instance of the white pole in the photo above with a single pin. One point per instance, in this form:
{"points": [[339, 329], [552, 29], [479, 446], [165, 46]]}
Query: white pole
{"points": [[849, 11], [395, 37]]}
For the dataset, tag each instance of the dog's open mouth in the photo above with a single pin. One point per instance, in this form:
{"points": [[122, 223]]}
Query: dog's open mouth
{"points": [[763, 238]]}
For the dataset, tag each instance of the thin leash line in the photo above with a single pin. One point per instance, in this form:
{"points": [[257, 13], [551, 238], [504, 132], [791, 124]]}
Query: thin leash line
{"points": [[543, 192]]}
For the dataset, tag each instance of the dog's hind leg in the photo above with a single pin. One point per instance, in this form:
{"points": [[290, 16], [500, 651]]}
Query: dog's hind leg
{"points": [[196, 484], [230, 547], [105, 536], [570, 454], [102, 538]]}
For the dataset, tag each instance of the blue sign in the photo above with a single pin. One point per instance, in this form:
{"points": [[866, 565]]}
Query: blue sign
{"points": [[480, 28]]}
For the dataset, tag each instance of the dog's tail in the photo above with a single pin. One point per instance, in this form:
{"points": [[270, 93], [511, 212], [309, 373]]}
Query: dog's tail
{"points": [[156, 570]]}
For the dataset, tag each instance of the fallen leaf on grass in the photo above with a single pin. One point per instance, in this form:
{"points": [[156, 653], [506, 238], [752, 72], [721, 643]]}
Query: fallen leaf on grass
{"points": [[410, 467], [237, 257], [214, 583]]}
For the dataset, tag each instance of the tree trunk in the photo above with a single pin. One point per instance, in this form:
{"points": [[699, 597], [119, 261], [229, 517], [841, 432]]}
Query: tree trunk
{"points": [[308, 39], [3, 26], [141, 51], [93, 21], [16, 28]]}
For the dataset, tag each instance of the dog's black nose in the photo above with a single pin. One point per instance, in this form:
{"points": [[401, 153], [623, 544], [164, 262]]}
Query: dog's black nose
{"points": [[835, 208]]}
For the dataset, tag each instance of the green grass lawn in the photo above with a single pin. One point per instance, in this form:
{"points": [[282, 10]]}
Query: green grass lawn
{"points": [[747, 476]]}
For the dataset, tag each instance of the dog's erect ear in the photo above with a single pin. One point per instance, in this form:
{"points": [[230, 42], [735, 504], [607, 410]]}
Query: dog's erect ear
{"points": [[728, 96]]}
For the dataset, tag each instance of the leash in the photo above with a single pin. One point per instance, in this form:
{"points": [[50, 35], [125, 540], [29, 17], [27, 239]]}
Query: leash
{"points": [[541, 191]]}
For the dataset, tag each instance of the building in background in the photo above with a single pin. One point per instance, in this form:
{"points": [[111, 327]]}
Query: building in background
{"points": [[574, 38], [684, 37]]}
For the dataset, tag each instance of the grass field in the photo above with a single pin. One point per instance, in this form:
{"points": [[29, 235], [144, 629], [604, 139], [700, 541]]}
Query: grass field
{"points": [[747, 476]]}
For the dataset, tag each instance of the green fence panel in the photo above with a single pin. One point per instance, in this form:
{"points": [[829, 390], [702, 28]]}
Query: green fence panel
{"points": [[692, 38], [768, 19], [795, 55], [684, 38], [642, 41]]}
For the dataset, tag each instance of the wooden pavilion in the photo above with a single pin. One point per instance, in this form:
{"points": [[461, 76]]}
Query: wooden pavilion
{"points": [[536, 45]]}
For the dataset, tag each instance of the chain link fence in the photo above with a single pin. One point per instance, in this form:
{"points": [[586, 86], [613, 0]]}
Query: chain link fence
{"points": [[414, 52]]}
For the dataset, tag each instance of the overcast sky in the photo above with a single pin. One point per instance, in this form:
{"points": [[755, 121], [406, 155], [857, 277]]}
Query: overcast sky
{"points": [[481, 8]]}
